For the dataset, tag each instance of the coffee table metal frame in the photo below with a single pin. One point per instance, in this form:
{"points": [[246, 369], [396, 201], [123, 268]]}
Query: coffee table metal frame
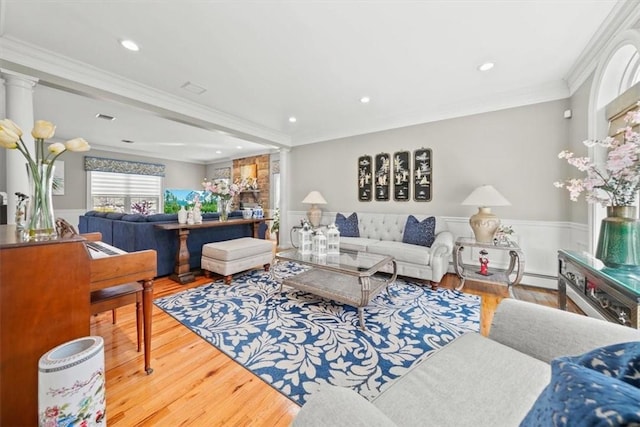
{"points": [[349, 277]]}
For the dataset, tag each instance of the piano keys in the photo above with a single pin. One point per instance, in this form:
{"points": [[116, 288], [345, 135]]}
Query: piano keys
{"points": [[99, 249]]}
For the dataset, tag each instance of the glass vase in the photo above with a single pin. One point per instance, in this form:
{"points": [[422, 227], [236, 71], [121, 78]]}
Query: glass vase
{"points": [[619, 239], [40, 219], [225, 208]]}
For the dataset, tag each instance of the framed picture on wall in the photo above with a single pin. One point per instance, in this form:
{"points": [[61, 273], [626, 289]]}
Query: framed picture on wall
{"points": [[365, 178], [58, 178], [382, 176], [422, 175], [401, 176]]}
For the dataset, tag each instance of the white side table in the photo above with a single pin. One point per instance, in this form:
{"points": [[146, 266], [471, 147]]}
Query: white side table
{"points": [[496, 275]]}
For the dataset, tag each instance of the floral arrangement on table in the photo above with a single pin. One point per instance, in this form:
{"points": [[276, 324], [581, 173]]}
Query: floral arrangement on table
{"points": [[40, 222], [503, 234], [275, 225], [619, 182], [221, 189]]}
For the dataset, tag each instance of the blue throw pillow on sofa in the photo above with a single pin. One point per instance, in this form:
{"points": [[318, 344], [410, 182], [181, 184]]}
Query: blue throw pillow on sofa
{"points": [[162, 217], [597, 388], [421, 233], [348, 226], [134, 218]]}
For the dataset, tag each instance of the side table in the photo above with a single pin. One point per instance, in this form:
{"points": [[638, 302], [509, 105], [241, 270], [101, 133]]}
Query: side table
{"points": [[496, 275]]}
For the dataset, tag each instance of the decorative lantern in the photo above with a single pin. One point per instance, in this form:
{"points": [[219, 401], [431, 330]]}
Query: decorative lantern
{"points": [[319, 244], [333, 240], [305, 239]]}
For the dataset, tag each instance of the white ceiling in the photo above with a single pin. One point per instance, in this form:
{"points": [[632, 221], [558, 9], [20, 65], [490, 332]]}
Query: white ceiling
{"points": [[263, 61]]}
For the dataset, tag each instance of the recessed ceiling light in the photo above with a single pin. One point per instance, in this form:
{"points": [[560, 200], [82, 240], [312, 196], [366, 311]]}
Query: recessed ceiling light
{"points": [[105, 117], [218, 152], [239, 147], [486, 66], [292, 119], [365, 99], [127, 141], [130, 44]]}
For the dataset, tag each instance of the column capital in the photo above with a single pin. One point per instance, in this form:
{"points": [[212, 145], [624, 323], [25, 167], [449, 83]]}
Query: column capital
{"points": [[12, 78]]}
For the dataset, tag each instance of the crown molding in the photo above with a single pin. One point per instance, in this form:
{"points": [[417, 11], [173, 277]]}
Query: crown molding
{"points": [[546, 92], [624, 15], [68, 74]]}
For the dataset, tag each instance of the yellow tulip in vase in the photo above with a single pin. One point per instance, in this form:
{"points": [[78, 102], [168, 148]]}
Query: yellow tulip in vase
{"points": [[40, 219]]}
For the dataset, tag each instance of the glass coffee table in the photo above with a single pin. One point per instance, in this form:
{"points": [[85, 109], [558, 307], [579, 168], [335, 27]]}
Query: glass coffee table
{"points": [[348, 278]]}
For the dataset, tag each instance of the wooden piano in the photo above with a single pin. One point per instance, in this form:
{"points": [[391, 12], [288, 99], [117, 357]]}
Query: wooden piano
{"points": [[111, 266], [45, 301]]}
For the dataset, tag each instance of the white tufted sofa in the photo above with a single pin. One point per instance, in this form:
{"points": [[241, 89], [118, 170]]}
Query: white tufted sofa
{"points": [[382, 234]]}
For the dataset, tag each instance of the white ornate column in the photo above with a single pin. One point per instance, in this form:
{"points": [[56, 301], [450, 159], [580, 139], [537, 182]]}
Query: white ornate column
{"points": [[19, 108], [285, 227]]}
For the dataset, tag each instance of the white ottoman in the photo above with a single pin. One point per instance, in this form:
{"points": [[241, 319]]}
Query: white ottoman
{"points": [[233, 256]]}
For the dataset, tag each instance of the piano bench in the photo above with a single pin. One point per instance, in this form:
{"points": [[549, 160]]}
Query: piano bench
{"points": [[119, 296], [233, 256]]}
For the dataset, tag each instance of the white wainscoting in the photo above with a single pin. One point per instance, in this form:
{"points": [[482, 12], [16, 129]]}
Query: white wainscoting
{"points": [[539, 240]]}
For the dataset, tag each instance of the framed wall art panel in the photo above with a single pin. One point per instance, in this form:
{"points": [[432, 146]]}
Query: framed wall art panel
{"points": [[401, 176], [422, 175], [365, 178], [383, 172]]}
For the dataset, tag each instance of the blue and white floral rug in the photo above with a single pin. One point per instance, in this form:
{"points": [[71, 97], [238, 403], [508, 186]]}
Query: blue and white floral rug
{"points": [[296, 341]]}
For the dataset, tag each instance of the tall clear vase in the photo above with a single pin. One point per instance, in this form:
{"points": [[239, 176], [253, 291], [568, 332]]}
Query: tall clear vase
{"points": [[225, 208], [40, 218]]}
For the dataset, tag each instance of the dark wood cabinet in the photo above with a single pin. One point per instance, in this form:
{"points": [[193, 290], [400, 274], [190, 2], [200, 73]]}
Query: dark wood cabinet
{"points": [[44, 302]]}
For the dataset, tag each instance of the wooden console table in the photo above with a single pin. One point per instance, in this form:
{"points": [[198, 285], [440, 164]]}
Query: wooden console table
{"points": [[182, 272], [614, 293]]}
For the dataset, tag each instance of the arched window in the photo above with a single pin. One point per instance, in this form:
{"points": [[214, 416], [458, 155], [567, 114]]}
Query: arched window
{"points": [[617, 72]]}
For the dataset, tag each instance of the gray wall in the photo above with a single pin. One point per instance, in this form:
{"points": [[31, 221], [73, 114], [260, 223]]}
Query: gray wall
{"points": [[178, 175], [515, 150], [578, 132]]}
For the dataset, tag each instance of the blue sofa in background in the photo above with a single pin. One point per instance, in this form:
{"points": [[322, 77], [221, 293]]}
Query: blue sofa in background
{"points": [[134, 232]]}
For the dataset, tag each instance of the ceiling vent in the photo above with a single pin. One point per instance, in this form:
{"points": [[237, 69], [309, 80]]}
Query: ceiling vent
{"points": [[105, 117], [193, 88]]}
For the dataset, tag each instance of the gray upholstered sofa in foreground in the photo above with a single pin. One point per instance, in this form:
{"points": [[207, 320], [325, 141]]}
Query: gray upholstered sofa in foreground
{"points": [[386, 234], [473, 381]]}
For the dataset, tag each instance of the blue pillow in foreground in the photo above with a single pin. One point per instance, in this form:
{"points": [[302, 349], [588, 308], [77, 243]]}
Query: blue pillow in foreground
{"points": [[583, 392], [348, 226], [621, 361], [421, 233]]}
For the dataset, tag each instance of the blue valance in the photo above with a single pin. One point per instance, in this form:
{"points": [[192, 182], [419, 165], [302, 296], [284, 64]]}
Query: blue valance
{"points": [[123, 166]]}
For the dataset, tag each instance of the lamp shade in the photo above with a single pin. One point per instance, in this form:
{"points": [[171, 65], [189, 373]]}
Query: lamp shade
{"points": [[485, 195], [315, 198], [484, 223], [314, 213]]}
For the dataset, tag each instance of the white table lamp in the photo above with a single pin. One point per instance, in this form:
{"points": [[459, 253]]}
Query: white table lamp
{"points": [[484, 224], [314, 213]]}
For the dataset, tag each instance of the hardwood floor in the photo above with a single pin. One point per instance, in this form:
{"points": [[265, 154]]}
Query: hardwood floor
{"points": [[195, 384]]}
